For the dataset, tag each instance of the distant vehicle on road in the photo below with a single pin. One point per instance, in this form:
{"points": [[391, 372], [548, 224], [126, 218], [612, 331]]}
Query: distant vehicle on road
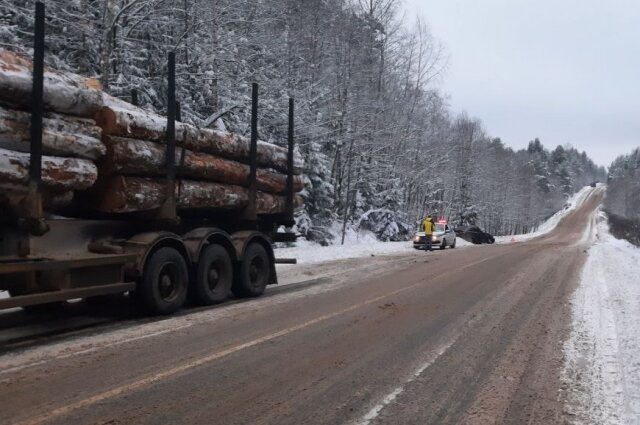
{"points": [[474, 235], [444, 236]]}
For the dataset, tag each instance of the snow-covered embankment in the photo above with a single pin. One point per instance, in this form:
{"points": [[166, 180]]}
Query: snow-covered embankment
{"points": [[573, 203], [602, 370]]}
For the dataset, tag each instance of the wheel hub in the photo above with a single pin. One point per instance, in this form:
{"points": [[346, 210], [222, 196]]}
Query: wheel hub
{"points": [[256, 269], [253, 272], [213, 277], [167, 286]]}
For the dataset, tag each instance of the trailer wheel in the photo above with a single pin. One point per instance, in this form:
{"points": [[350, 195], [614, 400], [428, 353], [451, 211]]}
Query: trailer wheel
{"points": [[163, 287], [255, 270], [214, 276]]}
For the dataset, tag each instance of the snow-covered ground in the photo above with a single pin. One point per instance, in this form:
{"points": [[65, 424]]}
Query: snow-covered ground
{"points": [[602, 370], [365, 244], [356, 245]]}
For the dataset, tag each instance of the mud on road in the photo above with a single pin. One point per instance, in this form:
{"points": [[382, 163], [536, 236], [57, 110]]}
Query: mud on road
{"points": [[472, 336]]}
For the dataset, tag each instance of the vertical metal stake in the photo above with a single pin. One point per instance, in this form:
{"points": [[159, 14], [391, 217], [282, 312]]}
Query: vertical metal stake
{"points": [[253, 154], [37, 105], [168, 211], [134, 97], [289, 199], [37, 110], [171, 118]]}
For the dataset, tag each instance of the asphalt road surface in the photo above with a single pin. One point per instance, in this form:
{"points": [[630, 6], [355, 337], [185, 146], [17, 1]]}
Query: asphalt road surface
{"points": [[470, 335]]}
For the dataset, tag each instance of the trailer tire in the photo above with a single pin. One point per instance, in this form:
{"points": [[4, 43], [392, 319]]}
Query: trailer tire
{"points": [[214, 276], [163, 287], [254, 273]]}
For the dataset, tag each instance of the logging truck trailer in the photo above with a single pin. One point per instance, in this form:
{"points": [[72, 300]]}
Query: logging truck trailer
{"points": [[161, 269], [161, 258]]}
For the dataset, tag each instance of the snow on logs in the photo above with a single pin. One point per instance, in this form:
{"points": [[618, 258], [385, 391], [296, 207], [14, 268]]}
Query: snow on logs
{"points": [[213, 163], [120, 194], [62, 135], [71, 140], [113, 153], [65, 93], [139, 157], [58, 174], [124, 120]]}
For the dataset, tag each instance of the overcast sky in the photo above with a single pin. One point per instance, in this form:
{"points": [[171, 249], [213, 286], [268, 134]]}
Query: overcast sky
{"points": [[566, 71]]}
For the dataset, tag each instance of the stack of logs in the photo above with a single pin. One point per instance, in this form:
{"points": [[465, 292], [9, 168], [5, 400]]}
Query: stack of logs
{"points": [[70, 140], [111, 154]]}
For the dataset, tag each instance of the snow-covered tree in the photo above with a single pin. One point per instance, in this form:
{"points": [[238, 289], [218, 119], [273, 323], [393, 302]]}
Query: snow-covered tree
{"points": [[382, 147]]}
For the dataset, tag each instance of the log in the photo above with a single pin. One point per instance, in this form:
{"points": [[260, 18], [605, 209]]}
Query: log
{"points": [[124, 120], [120, 119], [121, 194], [63, 92], [139, 157], [62, 135], [58, 174], [235, 146], [274, 182], [267, 203], [206, 195]]}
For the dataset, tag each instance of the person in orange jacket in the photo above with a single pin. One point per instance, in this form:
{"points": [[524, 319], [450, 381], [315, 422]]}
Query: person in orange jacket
{"points": [[429, 227]]}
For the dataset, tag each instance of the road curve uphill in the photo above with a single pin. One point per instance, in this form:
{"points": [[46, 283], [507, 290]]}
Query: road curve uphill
{"points": [[461, 336]]}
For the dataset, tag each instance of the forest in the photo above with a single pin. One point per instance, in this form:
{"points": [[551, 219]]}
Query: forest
{"points": [[623, 196], [382, 146]]}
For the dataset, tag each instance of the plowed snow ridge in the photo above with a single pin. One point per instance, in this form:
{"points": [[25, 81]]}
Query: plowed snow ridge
{"points": [[602, 370]]}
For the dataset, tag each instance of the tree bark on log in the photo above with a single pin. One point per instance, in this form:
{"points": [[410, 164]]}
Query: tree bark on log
{"points": [[62, 135], [117, 119], [120, 194], [142, 158], [195, 195], [235, 146], [267, 203], [58, 174], [63, 92]]}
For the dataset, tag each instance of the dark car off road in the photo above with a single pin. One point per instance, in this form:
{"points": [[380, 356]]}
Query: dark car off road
{"points": [[474, 235]]}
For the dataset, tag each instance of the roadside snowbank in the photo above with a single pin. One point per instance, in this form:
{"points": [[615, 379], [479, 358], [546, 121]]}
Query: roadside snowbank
{"points": [[572, 203], [365, 244], [602, 370], [356, 245]]}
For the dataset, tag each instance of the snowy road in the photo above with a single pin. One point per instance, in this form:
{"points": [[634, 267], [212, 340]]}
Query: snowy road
{"points": [[462, 336]]}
